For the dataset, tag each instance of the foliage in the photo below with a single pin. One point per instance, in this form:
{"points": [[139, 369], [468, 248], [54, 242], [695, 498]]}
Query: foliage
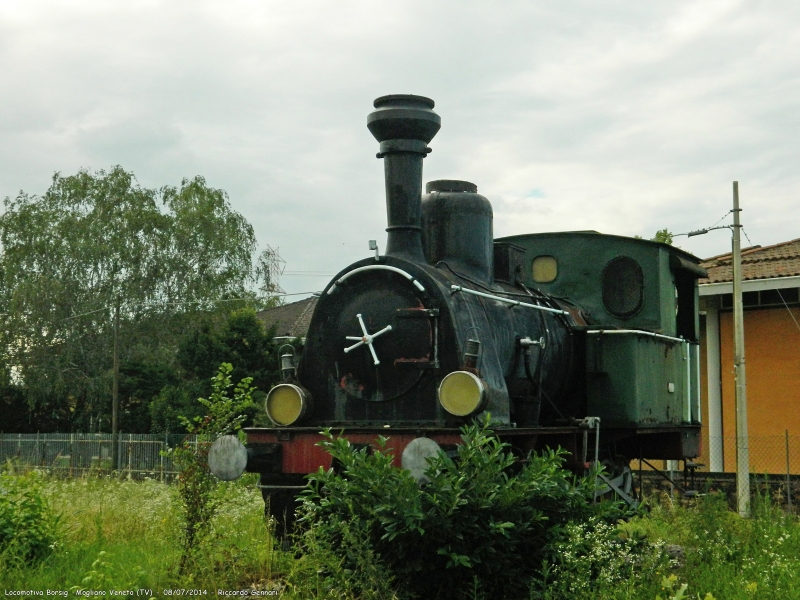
{"points": [[241, 340], [475, 522], [121, 535], [727, 556], [197, 488], [104, 575], [16, 416], [135, 524], [594, 558], [29, 529], [173, 402], [676, 590], [95, 241], [139, 383], [322, 571], [664, 236]]}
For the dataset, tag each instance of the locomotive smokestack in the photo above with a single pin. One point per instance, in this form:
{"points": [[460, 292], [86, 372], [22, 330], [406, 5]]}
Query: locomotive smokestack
{"points": [[404, 124]]}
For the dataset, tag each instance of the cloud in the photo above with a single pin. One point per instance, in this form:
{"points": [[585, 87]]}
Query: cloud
{"points": [[620, 117]]}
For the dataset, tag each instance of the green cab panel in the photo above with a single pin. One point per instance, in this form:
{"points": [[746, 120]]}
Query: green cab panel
{"points": [[638, 379]]}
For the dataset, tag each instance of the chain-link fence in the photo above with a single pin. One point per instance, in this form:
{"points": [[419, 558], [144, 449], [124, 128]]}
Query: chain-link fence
{"points": [[142, 455], [73, 454], [774, 470], [772, 455]]}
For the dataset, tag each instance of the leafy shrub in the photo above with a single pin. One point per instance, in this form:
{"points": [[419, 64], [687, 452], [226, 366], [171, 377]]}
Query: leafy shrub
{"points": [[29, 529], [197, 496], [325, 571], [474, 529]]}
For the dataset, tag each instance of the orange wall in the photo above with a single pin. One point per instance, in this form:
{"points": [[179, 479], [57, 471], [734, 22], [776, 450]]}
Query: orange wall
{"points": [[772, 363]]}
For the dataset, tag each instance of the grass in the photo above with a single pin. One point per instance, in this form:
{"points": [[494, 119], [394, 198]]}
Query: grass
{"points": [[726, 556], [121, 534]]}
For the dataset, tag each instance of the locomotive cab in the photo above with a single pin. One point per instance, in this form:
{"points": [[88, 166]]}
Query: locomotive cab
{"points": [[641, 302]]}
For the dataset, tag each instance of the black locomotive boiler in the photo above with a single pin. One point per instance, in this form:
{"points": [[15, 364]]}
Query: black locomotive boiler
{"points": [[576, 339]]}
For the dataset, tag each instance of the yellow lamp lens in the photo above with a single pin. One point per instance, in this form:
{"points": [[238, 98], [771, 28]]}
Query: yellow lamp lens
{"points": [[285, 404], [461, 393]]}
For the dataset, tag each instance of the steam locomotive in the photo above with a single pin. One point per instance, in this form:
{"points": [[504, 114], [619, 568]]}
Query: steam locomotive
{"points": [[573, 339]]}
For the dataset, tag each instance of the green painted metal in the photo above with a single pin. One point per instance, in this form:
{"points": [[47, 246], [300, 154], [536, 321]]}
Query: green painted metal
{"points": [[633, 377], [636, 379], [583, 255]]}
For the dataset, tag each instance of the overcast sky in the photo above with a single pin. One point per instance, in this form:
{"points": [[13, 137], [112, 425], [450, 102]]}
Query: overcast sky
{"points": [[623, 117]]}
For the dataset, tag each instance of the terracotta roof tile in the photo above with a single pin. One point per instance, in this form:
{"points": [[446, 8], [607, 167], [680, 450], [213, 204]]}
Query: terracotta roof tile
{"points": [[290, 319], [779, 260]]}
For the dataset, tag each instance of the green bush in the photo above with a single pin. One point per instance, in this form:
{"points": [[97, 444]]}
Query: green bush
{"points": [[198, 499], [475, 529], [28, 528]]}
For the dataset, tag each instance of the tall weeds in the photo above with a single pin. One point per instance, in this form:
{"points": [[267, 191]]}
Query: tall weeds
{"points": [[198, 498]]}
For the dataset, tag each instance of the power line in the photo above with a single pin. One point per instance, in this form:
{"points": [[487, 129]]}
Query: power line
{"points": [[706, 229], [722, 217], [788, 309]]}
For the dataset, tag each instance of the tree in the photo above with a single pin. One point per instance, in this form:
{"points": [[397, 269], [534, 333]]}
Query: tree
{"points": [[238, 339], [664, 236], [95, 241]]}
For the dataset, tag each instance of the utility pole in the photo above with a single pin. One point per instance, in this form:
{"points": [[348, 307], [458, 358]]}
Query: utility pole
{"points": [[742, 449], [115, 394]]}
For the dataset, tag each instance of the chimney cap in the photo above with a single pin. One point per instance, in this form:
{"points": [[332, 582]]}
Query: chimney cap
{"points": [[403, 117], [409, 100]]}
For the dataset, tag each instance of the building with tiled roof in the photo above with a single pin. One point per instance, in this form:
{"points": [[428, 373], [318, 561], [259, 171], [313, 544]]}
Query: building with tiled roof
{"points": [[771, 299], [779, 260], [290, 320]]}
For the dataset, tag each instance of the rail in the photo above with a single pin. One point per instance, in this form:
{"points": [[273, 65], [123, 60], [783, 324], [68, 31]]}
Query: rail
{"points": [[458, 288]]}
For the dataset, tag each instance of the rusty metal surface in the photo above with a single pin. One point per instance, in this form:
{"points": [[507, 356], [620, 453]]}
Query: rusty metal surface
{"points": [[303, 454]]}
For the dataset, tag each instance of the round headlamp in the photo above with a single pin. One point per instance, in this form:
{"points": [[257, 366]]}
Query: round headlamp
{"points": [[461, 393], [286, 404]]}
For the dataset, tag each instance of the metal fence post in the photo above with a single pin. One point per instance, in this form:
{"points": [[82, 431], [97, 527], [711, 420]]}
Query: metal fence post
{"points": [[165, 449]]}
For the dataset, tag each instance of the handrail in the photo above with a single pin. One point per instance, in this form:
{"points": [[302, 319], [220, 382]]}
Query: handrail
{"points": [[458, 288], [405, 274], [640, 332]]}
